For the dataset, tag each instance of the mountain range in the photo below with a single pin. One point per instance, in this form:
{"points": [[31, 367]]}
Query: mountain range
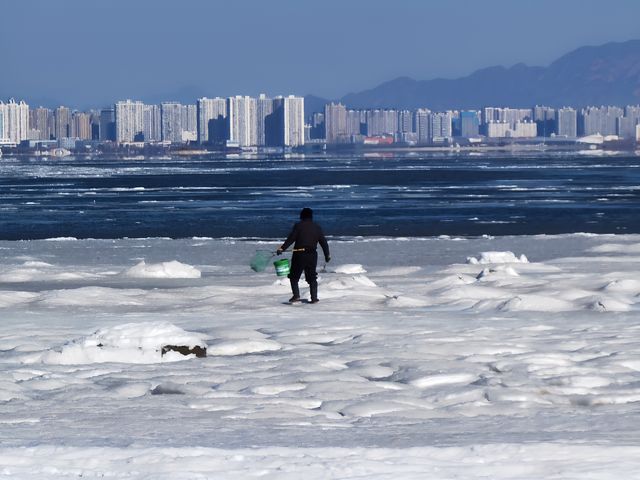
{"points": [[597, 75]]}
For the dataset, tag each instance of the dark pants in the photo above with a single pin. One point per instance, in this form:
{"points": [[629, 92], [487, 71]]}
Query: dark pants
{"points": [[304, 262]]}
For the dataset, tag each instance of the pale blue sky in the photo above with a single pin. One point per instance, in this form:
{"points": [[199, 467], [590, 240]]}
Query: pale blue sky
{"points": [[89, 52]]}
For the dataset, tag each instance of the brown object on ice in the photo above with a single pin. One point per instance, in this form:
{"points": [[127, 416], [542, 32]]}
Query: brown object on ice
{"points": [[184, 350]]}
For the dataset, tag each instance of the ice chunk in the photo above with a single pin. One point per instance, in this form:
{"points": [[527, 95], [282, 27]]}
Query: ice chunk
{"points": [[349, 269], [173, 269], [128, 343], [497, 257]]}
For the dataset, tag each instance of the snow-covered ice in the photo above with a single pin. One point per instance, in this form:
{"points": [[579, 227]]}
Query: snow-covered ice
{"points": [[445, 358]]}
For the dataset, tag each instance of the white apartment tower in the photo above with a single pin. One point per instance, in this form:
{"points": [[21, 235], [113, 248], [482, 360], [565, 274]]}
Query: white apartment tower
{"points": [[264, 108], [242, 121], [172, 116], [15, 121], [440, 127], [152, 123], [567, 122], [422, 126], [129, 121], [293, 121], [335, 122], [212, 113]]}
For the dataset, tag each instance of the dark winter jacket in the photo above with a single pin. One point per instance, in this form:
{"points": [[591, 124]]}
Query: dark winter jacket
{"points": [[307, 234]]}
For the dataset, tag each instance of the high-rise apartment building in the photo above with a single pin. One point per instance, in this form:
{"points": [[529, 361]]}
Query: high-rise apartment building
{"points": [[354, 122], [469, 124], [81, 126], [62, 119], [567, 122], [241, 121], [405, 121], [107, 125], [212, 115], [264, 121], [545, 118], [189, 123], [15, 121], [627, 124], [440, 127], [171, 118], [335, 123], [422, 126], [129, 119], [382, 122], [599, 120], [288, 112], [41, 121], [152, 123]]}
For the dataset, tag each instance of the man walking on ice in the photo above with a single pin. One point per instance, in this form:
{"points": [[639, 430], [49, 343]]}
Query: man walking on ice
{"points": [[305, 236]]}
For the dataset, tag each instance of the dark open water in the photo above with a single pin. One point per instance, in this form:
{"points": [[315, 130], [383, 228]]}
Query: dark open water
{"points": [[370, 195]]}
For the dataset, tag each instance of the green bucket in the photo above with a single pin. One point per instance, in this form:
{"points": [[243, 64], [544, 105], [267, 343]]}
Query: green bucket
{"points": [[282, 267]]}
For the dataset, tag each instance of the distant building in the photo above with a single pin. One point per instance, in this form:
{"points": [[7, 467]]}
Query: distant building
{"points": [[355, 123], [508, 115], [317, 126], [469, 124], [440, 127], [405, 121], [212, 116], [189, 123], [41, 121], [599, 120], [241, 121], [15, 121], [545, 118], [293, 120], [152, 123], [525, 129], [422, 126], [265, 122], [107, 125], [496, 129], [129, 119], [81, 126], [335, 121], [382, 122], [627, 124], [171, 115], [62, 119], [567, 122]]}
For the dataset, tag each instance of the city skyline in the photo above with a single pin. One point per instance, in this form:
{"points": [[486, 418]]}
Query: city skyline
{"points": [[249, 122], [225, 47]]}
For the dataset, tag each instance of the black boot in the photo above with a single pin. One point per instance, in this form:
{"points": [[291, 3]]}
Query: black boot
{"points": [[296, 292], [313, 289]]}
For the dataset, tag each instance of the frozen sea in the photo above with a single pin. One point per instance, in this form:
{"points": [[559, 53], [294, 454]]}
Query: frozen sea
{"points": [[428, 357]]}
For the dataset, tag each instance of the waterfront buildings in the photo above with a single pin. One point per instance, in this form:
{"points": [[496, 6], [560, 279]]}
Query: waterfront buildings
{"points": [[599, 120], [246, 122], [107, 125], [14, 123], [129, 120], [335, 123], [211, 120], [289, 126], [567, 122], [152, 123], [469, 124], [241, 121]]}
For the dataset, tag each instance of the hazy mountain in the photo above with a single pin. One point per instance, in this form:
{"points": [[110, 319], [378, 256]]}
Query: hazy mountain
{"points": [[606, 74]]}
